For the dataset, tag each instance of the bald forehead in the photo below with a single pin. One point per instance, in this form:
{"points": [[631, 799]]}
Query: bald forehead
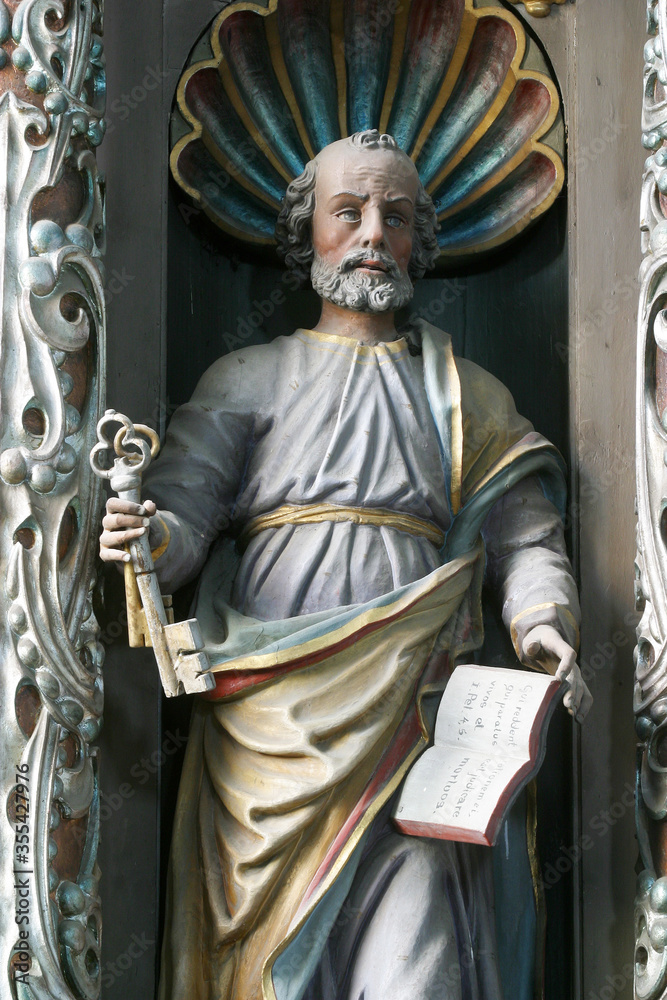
{"points": [[344, 167]]}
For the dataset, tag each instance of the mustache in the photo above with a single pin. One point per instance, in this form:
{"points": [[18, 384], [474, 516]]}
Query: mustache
{"points": [[358, 256]]}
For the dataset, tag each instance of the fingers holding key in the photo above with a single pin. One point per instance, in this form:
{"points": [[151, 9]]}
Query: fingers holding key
{"points": [[112, 544], [123, 522], [126, 508]]}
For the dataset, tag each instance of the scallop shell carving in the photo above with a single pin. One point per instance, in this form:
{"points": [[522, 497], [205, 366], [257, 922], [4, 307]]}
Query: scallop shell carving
{"points": [[444, 77]]}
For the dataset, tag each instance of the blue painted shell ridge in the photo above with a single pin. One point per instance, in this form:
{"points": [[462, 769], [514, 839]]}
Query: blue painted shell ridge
{"points": [[208, 102], [230, 206], [503, 209], [525, 110], [487, 63], [433, 29], [369, 34], [293, 42], [311, 67], [244, 45]]}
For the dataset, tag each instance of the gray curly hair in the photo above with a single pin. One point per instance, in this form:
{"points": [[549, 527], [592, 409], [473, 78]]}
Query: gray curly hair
{"points": [[293, 228]]}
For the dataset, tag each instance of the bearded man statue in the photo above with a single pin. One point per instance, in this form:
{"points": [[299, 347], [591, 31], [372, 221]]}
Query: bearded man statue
{"points": [[342, 493]]}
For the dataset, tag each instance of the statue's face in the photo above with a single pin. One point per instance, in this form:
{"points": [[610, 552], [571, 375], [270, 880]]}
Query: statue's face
{"points": [[363, 227]]}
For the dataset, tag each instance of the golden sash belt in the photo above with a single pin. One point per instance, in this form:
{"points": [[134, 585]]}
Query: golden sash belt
{"points": [[318, 512]]}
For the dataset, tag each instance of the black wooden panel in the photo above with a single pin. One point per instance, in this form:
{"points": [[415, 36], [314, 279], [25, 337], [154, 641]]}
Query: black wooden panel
{"points": [[133, 155]]}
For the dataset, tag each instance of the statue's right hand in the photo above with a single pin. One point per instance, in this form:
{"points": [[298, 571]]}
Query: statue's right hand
{"points": [[123, 522]]}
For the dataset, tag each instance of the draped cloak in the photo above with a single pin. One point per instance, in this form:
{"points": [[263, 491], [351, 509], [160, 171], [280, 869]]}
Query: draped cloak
{"points": [[329, 634]]}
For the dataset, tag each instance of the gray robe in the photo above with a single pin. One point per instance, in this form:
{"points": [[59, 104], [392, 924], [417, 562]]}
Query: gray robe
{"points": [[318, 419]]}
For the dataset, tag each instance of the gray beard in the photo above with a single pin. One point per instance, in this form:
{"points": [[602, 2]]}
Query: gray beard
{"points": [[350, 289]]}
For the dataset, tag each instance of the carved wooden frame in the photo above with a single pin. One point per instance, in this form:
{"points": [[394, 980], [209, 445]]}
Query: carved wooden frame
{"points": [[651, 566], [52, 87], [52, 346]]}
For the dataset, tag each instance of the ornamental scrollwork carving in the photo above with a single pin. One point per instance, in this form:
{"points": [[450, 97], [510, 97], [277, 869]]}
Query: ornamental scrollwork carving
{"points": [[52, 87], [651, 564]]}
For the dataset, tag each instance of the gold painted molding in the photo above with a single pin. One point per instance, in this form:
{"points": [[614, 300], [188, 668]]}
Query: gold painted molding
{"points": [[538, 8]]}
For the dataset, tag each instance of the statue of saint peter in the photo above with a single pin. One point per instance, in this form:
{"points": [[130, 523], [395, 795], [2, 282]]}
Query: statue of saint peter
{"points": [[342, 493]]}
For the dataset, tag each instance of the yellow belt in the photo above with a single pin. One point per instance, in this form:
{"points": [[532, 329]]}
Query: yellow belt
{"points": [[318, 512]]}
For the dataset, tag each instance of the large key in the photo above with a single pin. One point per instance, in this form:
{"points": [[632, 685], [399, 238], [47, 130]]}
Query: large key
{"points": [[178, 646]]}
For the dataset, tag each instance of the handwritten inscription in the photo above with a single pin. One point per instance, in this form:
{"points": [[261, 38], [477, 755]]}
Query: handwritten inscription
{"points": [[467, 786], [484, 748], [451, 783], [493, 709], [515, 724], [493, 719]]}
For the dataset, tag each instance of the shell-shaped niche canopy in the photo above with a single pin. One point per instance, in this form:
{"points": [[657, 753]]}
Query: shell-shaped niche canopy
{"points": [[462, 89]]}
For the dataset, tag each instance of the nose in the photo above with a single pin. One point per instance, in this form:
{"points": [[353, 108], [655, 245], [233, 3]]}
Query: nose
{"points": [[372, 234]]}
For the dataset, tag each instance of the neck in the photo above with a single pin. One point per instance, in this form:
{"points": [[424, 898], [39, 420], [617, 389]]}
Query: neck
{"points": [[367, 328]]}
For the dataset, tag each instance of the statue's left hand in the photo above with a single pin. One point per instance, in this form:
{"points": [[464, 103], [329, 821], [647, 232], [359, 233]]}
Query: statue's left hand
{"points": [[543, 644]]}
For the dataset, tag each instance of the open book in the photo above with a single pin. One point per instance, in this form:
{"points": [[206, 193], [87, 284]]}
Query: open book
{"points": [[490, 737]]}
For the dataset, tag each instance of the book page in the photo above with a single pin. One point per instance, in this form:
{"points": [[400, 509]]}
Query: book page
{"points": [[491, 710], [460, 788], [455, 790]]}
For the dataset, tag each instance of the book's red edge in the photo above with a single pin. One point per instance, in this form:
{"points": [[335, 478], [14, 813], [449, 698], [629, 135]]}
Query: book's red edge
{"points": [[536, 748], [440, 832]]}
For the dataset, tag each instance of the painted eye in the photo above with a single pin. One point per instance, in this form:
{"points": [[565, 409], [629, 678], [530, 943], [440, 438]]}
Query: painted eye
{"points": [[349, 215], [395, 221]]}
